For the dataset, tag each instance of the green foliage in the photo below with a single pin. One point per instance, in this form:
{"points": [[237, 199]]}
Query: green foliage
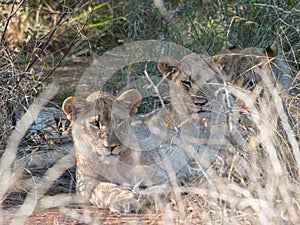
{"points": [[202, 26]]}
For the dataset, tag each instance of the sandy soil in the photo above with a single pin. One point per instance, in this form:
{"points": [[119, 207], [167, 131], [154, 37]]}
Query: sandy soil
{"points": [[77, 215]]}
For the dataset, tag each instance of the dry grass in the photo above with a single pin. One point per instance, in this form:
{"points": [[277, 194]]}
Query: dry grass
{"points": [[254, 181]]}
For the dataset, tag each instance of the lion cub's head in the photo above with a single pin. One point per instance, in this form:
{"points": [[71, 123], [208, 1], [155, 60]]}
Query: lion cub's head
{"points": [[190, 75], [235, 65], [238, 65], [97, 118]]}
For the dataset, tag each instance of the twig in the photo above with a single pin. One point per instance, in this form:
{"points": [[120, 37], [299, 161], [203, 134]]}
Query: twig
{"points": [[67, 51], [154, 86], [9, 3], [46, 43], [12, 13], [159, 96]]}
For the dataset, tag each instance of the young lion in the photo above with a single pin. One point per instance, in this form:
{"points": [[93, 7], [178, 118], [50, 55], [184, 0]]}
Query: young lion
{"points": [[109, 155], [243, 77], [237, 66], [202, 76]]}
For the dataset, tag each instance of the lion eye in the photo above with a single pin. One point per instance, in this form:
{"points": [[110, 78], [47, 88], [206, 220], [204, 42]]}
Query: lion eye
{"points": [[96, 122], [97, 118], [186, 84]]}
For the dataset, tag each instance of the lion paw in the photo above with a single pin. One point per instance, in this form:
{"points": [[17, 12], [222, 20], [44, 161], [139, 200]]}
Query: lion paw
{"points": [[116, 199]]}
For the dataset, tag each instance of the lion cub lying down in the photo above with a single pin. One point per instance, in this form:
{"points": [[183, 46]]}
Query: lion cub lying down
{"points": [[109, 155], [252, 71]]}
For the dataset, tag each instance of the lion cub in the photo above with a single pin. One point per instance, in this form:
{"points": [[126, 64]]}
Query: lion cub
{"points": [[111, 160], [238, 65], [201, 77]]}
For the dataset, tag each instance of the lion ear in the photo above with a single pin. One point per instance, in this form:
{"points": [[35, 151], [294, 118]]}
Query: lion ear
{"points": [[130, 101], [223, 58], [73, 105], [67, 107], [169, 67], [225, 55], [272, 50]]}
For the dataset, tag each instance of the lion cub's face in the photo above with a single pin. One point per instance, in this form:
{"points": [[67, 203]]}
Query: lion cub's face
{"points": [[188, 74], [236, 65], [97, 119]]}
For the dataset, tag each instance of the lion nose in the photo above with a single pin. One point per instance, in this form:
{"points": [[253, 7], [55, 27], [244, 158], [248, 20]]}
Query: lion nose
{"points": [[109, 148], [107, 141]]}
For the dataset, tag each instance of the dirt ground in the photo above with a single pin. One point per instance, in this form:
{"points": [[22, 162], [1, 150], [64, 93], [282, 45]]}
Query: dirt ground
{"points": [[78, 215], [67, 76]]}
